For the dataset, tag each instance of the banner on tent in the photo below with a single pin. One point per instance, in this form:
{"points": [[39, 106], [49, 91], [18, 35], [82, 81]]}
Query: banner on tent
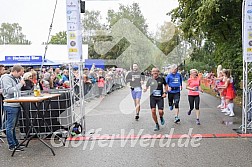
{"points": [[23, 58]]}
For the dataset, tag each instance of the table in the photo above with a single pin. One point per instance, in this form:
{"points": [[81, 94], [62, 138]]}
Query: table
{"points": [[37, 102]]}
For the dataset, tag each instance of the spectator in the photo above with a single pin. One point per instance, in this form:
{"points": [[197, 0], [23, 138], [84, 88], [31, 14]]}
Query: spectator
{"points": [[101, 83], [11, 83], [65, 76], [58, 74], [28, 81], [2, 71]]}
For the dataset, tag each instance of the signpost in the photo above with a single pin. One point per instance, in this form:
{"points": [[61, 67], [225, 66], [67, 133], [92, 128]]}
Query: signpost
{"points": [[247, 64], [74, 34], [74, 45], [247, 31]]}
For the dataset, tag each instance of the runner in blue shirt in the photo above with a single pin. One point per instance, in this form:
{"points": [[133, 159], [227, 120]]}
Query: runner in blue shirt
{"points": [[174, 82]]}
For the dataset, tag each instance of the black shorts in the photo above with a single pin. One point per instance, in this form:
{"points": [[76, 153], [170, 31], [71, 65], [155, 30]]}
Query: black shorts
{"points": [[159, 101]]}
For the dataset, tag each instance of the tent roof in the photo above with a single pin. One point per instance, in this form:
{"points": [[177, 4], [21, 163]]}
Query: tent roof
{"points": [[46, 63], [55, 53]]}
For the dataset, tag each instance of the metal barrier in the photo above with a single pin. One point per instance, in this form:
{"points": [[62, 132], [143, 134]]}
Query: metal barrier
{"points": [[91, 91], [60, 116], [249, 107]]}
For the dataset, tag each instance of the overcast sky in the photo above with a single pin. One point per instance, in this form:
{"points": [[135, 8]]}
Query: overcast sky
{"points": [[35, 15]]}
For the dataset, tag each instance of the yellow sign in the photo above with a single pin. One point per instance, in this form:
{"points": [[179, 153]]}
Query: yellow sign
{"points": [[73, 50], [249, 49]]}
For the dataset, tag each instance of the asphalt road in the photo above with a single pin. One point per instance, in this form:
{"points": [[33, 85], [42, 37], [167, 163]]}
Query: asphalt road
{"points": [[114, 116]]}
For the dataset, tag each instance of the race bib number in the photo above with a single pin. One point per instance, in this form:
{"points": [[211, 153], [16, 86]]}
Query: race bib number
{"points": [[137, 89], [156, 93]]}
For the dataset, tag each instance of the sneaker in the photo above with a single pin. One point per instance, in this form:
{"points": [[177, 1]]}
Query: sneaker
{"points": [[232, 115], [197, 122], [177, 120], [156, 127], [219, 106], [137, 117], [162, 120], [3, 135], [21, 145], [17, 149], [171, 108], [227, 113], [189, 112], [224, 110]]}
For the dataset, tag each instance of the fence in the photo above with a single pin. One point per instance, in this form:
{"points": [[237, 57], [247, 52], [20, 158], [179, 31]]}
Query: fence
{"points": [[92, 91], [249, 110], [59, 115]]}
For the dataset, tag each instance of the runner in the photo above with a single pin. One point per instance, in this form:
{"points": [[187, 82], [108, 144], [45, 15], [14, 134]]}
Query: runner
{"points": [[194, 87], [158, 91], [136, 80], [174, 82]]}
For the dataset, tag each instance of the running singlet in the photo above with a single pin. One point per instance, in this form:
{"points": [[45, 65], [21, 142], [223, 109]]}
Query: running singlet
{"points": [[194, 83], [156, 86]]}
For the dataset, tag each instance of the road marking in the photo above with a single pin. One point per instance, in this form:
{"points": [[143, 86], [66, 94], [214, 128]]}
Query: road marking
{"points": [[157, 136]]}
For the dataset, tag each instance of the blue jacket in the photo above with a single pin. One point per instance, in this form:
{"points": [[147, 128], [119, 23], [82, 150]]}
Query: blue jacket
{"points": [[174, 81]]}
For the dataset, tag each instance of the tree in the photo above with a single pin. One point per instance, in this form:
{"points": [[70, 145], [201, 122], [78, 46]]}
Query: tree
{"points": [[167, 37], [91, 23], [216, 21], [59, 38], [12, 34], [132, 13]]}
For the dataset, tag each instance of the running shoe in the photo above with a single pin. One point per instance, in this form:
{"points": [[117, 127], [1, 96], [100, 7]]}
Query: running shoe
{"points": [[189, 112], [171, 108], [197, 122], [156, 127], [162, 120], [177, 120], [137, 117]]}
